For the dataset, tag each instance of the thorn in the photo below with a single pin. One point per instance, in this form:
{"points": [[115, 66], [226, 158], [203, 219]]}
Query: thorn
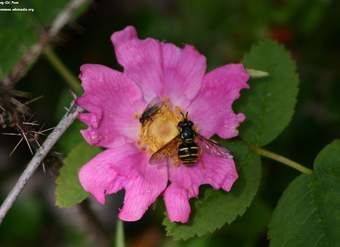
{"points": [[42, 132], [11, 134], [44, 167], [31, 123], [25, 137], [43, 163], [67, 109], [33, 100], [16, 146], [73, 95]]}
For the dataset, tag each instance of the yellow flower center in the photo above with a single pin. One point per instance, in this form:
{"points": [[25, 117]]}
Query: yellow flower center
{"points": [[160, 128]]}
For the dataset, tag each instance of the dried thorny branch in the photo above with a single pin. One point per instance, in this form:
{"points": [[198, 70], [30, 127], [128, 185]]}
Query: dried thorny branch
{"points": [[15, 116], [38, 158], [59, 22], [12, 110]]}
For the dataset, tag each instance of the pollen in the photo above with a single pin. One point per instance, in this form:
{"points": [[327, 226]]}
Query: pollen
{"points": [[160, 129]]}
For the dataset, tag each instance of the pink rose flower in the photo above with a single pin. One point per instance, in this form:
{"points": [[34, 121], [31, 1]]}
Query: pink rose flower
{"points": [[114, 102]]}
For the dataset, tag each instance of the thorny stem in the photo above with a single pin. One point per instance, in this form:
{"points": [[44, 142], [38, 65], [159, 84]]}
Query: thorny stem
{"points": [[283, 160], [60, 67], [38, 158]]}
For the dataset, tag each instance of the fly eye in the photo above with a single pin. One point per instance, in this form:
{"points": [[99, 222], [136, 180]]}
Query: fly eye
{"points": [[180, 125], [190, 123]]}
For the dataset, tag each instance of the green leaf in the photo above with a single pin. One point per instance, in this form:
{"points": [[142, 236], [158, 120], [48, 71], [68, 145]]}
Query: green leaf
{"points": [[20, 31], [245, 231], [253, 224], [308, 214], [269, 103], [69, 191], [215, 208], [71, 137]]}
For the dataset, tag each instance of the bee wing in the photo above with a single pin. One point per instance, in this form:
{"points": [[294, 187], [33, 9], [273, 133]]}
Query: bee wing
{"points": [[213, 147], [167, 151]]}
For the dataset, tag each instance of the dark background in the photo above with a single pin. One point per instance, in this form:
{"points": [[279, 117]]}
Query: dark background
{"points": [[223, 31]]}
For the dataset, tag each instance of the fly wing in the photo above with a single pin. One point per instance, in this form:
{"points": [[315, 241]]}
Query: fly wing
{"points": [[213, 147], [154, 105], [151, 109], [167, 151], [155, 101]]}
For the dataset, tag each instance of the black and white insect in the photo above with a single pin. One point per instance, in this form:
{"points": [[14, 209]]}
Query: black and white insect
{"points": [[188, 146]]}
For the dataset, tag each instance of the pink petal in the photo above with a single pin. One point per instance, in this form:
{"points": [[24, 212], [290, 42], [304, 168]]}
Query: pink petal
{"points": [[141, 60], [183, 73], [220, 173], [112, 101], [99, 176], [143, 190], [177, 204], [161, 69], [185, 181], [124, 167], [211, 110]]}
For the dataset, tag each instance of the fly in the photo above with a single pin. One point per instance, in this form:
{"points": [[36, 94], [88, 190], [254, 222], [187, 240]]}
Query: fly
{"points": [[188, 146], [151, 109]]}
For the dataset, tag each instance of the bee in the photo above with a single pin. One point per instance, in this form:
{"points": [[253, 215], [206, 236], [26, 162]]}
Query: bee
{"points": [[188, 146], [151, 109]]}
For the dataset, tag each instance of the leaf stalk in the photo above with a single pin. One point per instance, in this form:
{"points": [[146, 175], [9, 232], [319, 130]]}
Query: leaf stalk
{"points": [[60, 67], [283, 160]]}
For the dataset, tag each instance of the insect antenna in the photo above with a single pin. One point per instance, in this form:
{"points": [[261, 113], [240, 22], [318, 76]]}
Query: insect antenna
{"points": [[185, 116]]}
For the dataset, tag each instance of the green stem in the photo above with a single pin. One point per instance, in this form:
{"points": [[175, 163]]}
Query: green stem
{"points": [[60, 67], [120, 234], [283, 160]]}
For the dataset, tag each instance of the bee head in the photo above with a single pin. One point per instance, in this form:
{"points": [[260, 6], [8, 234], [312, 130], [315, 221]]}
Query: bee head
{"points": [[185, 123]]}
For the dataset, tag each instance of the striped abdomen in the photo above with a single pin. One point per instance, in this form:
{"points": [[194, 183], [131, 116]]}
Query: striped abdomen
{"points": [[188, 153]]}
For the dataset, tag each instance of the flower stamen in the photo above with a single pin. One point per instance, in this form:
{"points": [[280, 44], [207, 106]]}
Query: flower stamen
{"points": [[160, 129]]}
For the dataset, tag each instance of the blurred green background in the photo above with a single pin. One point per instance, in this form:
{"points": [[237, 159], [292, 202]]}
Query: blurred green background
{"points": [[223, 30]]}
